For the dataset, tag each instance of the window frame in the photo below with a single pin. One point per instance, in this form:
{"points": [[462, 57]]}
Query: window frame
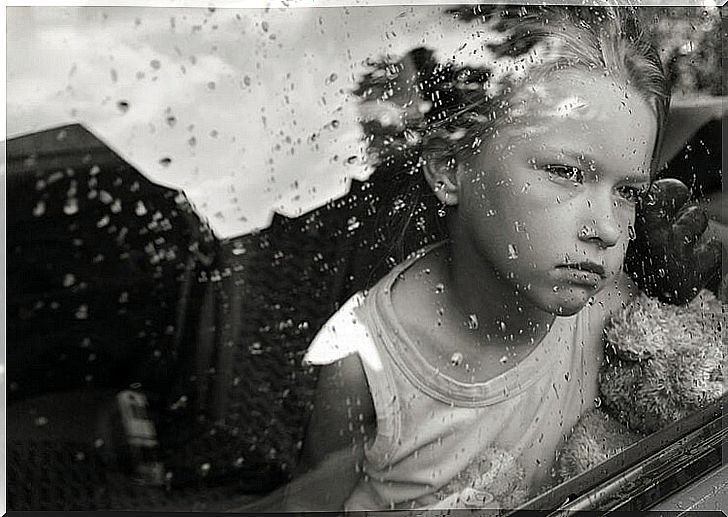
{"points": [[648, 471]]}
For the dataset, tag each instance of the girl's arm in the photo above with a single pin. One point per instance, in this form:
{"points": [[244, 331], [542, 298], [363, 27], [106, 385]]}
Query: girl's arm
{"points": [[342, 420]]}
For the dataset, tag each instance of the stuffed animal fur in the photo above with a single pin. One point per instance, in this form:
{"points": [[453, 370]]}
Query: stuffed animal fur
{"points": [[662, 363]]}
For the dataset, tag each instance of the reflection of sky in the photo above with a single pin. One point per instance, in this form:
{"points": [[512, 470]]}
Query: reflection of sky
{"points": [[233, 97]]}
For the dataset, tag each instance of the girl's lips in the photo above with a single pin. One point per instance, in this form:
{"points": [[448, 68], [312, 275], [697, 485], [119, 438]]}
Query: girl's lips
{"points": [[585, 267], [587, 274]]}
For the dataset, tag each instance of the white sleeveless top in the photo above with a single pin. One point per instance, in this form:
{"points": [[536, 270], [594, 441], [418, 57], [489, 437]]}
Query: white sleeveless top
{"points": [[431, 427]]}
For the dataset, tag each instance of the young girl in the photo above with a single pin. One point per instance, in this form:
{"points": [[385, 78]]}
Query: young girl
{"points": [[479, 353]]}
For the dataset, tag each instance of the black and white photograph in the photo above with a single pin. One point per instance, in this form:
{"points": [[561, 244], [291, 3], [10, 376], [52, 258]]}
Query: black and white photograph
{"points": [[361, 256]]}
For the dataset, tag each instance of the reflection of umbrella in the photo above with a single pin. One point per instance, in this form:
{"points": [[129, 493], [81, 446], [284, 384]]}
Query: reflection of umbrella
{"points": [[92, 245], [106, 272]]}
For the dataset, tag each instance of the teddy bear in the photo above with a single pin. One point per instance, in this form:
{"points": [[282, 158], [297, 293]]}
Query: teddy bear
{"points": [[662, 363]]}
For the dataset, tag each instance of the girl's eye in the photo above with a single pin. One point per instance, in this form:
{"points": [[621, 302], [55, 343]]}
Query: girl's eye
{"points": [[632, 194], [566, 172]]}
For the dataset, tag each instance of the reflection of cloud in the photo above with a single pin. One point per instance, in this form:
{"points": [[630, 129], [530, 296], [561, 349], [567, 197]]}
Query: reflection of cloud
{"points": [[216, 94], [257, 100]]}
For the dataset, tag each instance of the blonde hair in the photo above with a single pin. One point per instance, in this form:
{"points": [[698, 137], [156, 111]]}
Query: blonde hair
{"points": [[463, 103], [606, 40]]}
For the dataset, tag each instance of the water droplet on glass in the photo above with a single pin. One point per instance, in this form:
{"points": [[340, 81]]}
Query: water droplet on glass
{"points": [[439, 288], [123, 106], [140, 209], [456, 359], [512, 252], [631, 232], [61, 135], [520, 227], [352, 224], [555, 288], [69, 280], [597, 402], [71, 206], [39, 209], [82, 312], [504, 359], [472, 322], [490, 212], [165, 162]]}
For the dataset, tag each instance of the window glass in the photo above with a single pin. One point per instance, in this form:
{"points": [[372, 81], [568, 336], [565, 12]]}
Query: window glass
{"points": [[362, 257]]}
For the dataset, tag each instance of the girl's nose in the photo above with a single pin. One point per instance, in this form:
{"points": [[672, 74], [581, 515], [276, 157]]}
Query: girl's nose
{"points": [[603, 229], [604, 234]]}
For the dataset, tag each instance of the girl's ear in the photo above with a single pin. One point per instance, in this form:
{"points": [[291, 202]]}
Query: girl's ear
{"points": [[440, 169]]}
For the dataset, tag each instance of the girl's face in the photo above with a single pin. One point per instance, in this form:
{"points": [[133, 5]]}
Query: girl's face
{"points": [[549, 201]]}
